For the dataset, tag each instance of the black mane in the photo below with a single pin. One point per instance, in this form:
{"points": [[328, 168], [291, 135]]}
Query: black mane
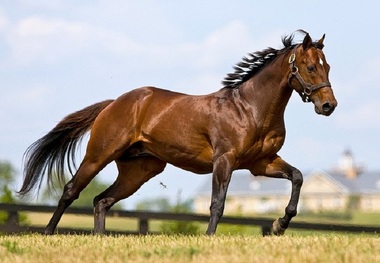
{"points": [[255, 61]]}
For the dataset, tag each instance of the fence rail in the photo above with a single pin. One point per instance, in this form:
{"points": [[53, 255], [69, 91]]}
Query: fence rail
{"points": [[13, 226]]}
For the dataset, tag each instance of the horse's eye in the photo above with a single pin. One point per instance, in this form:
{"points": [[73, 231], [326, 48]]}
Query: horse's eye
{"points": [[311, 68]]}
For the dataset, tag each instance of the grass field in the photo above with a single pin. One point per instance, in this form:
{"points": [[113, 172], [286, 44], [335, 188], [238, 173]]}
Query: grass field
{"points": [[129, 224], [246, 245], [200, 248]]}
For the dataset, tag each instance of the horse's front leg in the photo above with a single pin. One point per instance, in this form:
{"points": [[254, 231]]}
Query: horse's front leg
{"points": [[278, 168], [282, 223], [220, 180]]}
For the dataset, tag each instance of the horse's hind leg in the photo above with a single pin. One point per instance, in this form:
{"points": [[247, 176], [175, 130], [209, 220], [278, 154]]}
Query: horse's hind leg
{"points": [[72, 189], [133, 173]]}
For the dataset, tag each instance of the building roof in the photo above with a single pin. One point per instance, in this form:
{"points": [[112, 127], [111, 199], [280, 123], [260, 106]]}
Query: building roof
{"points": [[368, 183]]}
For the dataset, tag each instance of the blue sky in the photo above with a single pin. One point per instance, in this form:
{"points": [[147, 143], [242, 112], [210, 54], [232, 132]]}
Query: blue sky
{"points": [[60, 56]]}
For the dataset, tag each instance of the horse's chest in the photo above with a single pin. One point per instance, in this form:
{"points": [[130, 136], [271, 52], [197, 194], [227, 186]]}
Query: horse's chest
{"points": [[266, 145]]}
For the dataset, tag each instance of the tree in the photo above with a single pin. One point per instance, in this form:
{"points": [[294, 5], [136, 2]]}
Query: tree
{"points": [[6, 179], [7, 173]]}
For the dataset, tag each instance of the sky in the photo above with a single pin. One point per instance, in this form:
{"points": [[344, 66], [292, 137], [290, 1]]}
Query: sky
{"points": [[59, 56]]}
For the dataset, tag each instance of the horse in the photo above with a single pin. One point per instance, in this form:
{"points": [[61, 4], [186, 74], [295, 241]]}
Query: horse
{"points": [[240, 126]]}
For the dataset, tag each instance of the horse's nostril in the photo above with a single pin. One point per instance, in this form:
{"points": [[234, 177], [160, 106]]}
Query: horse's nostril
{"points": [[326, 107]]}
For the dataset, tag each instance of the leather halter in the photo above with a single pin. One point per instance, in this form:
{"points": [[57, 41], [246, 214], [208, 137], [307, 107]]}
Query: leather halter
{"points": [[307, 87]]}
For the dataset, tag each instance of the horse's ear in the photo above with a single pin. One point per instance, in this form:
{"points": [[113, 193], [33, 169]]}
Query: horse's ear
{"points": [[307, 42], [320, 44]]}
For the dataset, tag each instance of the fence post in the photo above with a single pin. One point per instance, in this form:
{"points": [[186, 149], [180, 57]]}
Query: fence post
{"points": [[143, 226], [265, 230], [12, 223]]}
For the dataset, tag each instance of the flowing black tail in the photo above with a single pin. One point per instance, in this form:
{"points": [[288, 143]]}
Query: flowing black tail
{"points": [[56, 149]]}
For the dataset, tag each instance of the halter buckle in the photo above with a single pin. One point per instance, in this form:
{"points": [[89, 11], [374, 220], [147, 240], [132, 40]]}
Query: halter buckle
{"points": [[292, 58], [307, 91]]}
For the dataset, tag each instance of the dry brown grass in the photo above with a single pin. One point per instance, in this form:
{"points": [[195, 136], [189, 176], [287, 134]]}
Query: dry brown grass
{"points": [[173, 248]]}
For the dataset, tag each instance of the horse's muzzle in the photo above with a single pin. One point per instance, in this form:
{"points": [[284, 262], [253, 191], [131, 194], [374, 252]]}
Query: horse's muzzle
{"points": [[326, 108]]}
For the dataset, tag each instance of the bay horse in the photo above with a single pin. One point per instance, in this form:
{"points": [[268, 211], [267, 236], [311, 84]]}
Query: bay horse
{"points": [[241, 126]]}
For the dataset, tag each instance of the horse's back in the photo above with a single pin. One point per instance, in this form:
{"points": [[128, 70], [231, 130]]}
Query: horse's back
{"points": [[169, 125], [133, 109]]}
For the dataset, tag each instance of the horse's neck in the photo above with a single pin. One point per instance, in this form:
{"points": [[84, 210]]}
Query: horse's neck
{"points": [[268, 92]]}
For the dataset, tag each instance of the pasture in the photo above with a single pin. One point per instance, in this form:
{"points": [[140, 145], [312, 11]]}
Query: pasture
{"points": [[198, 248]]}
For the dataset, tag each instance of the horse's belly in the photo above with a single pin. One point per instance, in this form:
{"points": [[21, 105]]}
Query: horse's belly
{"points": [[194, 159], [195, 167]]}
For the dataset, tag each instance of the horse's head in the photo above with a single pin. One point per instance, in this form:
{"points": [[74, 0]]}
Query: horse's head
{"points": [[309, 75]]}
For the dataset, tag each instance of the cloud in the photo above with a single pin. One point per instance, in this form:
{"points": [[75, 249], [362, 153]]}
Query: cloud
{"points": [[43, 5], [49, 40], [44, 40], [230, 39], [231, 42], [41, 40]]}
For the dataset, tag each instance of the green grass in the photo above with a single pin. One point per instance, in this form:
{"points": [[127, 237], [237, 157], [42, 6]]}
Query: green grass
{"points": [[198, 248], [366, 218]]}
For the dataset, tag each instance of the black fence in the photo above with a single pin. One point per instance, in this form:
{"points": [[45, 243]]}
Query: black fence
{"points": [[13, 226]]}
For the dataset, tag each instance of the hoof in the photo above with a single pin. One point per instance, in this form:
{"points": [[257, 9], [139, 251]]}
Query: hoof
{"points": [[277, 229]]}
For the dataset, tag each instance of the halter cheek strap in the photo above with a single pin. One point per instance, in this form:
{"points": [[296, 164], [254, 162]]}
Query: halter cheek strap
{"points": [[307, 87]]}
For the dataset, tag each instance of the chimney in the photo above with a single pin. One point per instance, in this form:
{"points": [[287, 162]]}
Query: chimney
{"points": [[347, 165]]}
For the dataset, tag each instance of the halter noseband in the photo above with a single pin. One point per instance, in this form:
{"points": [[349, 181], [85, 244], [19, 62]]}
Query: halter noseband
{"points": [[307, 87]]}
